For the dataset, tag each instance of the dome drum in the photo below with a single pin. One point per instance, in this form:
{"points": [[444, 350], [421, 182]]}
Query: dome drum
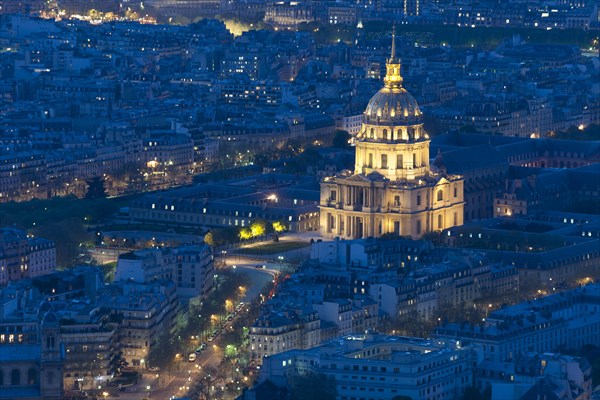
{"points": [[392, 134]]}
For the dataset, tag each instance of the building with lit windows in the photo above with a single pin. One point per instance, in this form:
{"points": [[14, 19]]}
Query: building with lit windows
{"points": [[379, 367], [392, 189], [22, 256], [31, 351], [146, 311], [567, 320]]}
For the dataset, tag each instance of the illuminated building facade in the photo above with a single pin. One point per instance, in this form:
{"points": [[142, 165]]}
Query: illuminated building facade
{"points": [[392, 189]]}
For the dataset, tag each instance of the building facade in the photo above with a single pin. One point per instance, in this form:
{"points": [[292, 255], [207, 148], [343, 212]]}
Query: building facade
{"points": [[31, 352], [379, 367], [22, 256], [392, 189]]}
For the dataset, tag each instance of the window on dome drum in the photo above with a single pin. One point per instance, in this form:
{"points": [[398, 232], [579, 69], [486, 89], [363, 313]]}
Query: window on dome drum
{"points": [[440, 221], [372, 134], [414, 160], [440, 195], [455, 191], [418, 199], [418, 227], [399, 161], [15, 377], [370, 163], [396, 200], [384, 161], [31, 376], [385, 133]]}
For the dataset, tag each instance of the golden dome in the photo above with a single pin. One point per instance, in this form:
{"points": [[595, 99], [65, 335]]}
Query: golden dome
{"points": [[393, 105]]}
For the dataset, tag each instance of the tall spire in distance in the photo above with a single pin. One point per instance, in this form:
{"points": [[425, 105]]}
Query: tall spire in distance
{"points": [[393, 56], [393, 79]]}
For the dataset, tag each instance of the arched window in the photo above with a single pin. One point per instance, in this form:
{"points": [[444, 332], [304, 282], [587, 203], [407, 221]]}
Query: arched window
{"points": [[385, 134], [440, 195], [15, 377], [370, 161], [31, 376], [372, 133], [440, 221], [399, 161], [50, 378], [50, 341], [384, 164]]}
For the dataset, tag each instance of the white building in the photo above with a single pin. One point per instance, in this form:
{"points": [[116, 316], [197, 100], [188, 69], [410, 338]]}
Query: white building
{"points": [[190, 267], [22, 256], [144, 266], [337, 312], [380, 367], [278, 331], [568, 320], [147, 312], [532, 374]]}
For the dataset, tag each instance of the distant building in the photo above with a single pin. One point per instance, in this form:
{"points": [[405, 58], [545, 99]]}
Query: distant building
{"points": [[278, 331], [537, 376], [168, 151], [567, 320], [22, 256], [448, 284], [287, 14], [91, 345], [273, 197], [31, 350], [190, 267], [194, 272], [379, 367], [146, 311]]}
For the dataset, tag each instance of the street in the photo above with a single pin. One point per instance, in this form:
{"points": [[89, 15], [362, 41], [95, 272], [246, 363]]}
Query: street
{"points": [[173, 384]]}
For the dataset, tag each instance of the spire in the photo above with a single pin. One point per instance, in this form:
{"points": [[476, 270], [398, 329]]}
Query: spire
{"points": [[393, 56], [393, 79]]}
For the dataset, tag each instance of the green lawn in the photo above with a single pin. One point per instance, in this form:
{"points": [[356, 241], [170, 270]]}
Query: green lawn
{"points": [[272, 248]]}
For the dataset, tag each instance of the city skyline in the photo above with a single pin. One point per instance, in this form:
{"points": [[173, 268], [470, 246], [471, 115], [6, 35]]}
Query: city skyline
{"points": [[288, 200]]}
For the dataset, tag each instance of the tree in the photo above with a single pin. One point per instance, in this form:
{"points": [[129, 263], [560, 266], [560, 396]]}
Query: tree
{"points": [[341, 139], [245, 233], [221, 236], [260, 227], [279, 226], [68, 234], [96, 188], [209, 239]]}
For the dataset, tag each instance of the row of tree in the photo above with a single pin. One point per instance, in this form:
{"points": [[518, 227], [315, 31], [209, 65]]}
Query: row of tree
{"points": [[228, 235]]}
